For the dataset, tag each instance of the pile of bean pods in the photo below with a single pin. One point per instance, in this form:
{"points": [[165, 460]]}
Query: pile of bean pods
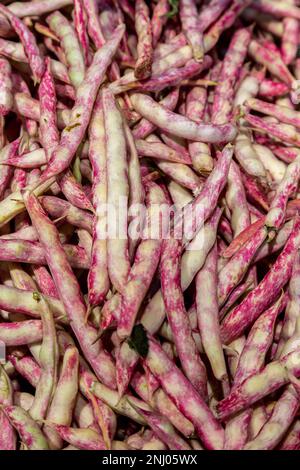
{"points": [[149, 227]]}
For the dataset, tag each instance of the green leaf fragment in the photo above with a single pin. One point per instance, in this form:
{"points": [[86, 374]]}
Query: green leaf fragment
{"points": [[174, 5], [139, 340]]}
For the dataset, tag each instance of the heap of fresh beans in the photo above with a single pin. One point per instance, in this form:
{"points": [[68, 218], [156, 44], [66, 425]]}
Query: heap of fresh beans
{"points": [[181, 329]]}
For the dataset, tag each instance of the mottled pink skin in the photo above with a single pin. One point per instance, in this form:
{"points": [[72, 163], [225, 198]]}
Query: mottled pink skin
{"points": [[48, 132], [265, 293], [28, 107], [96, 33], [258, 342], [236, 431], [231, 68], [126, 360], [20, 85], [143, 386], [143, 29], [69, 52], [240, 290], [110, 313], [163, 49], [234, 271], [74, 192], [212, 36], [169, 78], [7, 172], [270, 46], [292, 310], [287, 154], [173, 76], [19, 179], [7, 434], [168, 409], [160, 151], [237, 201], [117, 169], [15, 51], [293, 207], [195, 103], [152, 383], [136, 187], [81, 29], [27, 368], [65, 396], [35, 60], [269, 88], [70, 293], [58, 208], [190, 26], [127, 8], [285, 189], [86, 95], [282, 113], [210, 13], [72, 436], [273, 62], [240, 398], [281, 10], [254, 192], [147, 257], [98, 280], [44, 281], [109, 418], [33, 176], [208, 314], [5, 87], [32, 8], [207, 199], [159, 19], [292, 438], [290, 39], [94, 27], [86, 169], [169, 436], [21, 333], [56, 49], [185, 397], [109, 18], [279, 241], [18, 301], [170, 141], [130, 302], [24, 251], [177, 315], [179, 125], [12, 50], [6, 30], [25, 426], [65, 91], [283, 414], [152, 319]]}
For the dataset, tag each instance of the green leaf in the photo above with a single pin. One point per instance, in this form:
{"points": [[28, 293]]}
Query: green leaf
{"points": [[174, 5], [139, 340]]}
